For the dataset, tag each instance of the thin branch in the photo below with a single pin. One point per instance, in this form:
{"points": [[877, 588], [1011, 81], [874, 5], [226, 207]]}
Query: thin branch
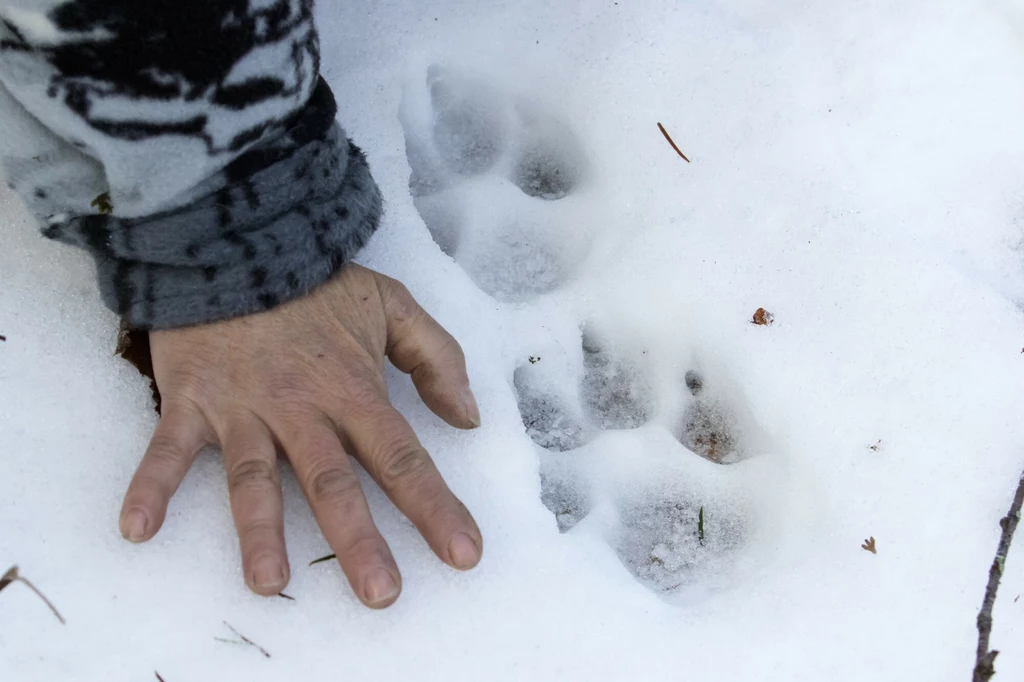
{"points": [[247, 640], [12, 576], [665, 133], [984, 667], [232, 642]]}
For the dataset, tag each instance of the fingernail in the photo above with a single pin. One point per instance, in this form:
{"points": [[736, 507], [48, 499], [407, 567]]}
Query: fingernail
{"points": [[463, 552], [268, 573], [470, 410], [380, 588], [133, 527]]}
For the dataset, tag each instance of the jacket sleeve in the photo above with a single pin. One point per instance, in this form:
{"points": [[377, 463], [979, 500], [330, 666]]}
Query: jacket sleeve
{"points": [[190, 146]]}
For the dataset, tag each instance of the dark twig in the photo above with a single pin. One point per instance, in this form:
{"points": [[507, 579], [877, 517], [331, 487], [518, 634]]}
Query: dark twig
{"points": [[246, 640], [984, 667], [323, 559], [282, 594], [12, 576], [2, 337], [665, 133], [158, 676]]}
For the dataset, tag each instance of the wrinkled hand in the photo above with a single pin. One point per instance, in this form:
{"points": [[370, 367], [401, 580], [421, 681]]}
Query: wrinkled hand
{"points": [[306, 379]]}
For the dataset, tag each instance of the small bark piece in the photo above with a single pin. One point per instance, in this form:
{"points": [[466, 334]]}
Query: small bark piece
{"points": [[869, 545], [762, 317], [9, 577]]}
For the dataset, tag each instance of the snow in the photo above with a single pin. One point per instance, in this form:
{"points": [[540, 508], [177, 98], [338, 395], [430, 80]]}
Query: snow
{"points": [[856, 170]]}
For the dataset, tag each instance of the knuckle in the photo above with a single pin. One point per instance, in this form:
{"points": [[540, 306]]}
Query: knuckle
{"points": [[361, 392], [252, 474], [334, 485], [440, 509], [457, 351], [404, 464], [364, 547], [165, 451], [403, 306], [258, 534], [453, 349]]}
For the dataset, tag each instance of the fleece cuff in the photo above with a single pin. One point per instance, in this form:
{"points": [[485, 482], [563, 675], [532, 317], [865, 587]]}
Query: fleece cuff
{"points": [[275, 223]]}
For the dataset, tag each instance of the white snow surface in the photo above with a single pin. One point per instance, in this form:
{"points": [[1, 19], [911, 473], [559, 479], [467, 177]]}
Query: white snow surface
{"points": [[857, 170]]}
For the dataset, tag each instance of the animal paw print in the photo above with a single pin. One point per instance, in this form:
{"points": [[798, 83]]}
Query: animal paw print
{"points": [[616, 392], [709, 425], [669, 537], [612, 394], [668, 531], [492, 176], [562, 492]]}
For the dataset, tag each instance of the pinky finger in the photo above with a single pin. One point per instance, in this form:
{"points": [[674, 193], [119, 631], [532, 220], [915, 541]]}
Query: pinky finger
{"points": [[181, 433]]}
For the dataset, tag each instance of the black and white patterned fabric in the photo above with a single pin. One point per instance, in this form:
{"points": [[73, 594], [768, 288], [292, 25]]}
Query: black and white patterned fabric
{"points": [[191, 146]]}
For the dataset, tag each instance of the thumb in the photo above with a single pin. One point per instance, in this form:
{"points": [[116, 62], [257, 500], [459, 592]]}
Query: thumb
{"points": [[422, 348]]}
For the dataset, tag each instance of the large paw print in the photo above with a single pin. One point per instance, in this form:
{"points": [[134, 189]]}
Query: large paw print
{"points": [[667, 531], [502, 186], [491, 176]]}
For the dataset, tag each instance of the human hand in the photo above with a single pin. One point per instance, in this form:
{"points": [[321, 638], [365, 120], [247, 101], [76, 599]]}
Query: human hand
{"points": [[306, 379]]}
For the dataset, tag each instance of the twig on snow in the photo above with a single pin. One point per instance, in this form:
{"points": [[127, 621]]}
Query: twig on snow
{"points": [[984, 667], [12, 576], [245, 640], [665, 133]]}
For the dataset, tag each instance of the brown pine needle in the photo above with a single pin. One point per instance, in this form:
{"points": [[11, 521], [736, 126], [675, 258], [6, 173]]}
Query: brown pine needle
{"points": [[245, 640], [12, 575], [285, 596], [323, 559], [665, 133], [158, 676]]}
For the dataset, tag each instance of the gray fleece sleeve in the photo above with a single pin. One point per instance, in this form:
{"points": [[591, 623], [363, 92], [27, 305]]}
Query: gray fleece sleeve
{"points": [[191, 147]]}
